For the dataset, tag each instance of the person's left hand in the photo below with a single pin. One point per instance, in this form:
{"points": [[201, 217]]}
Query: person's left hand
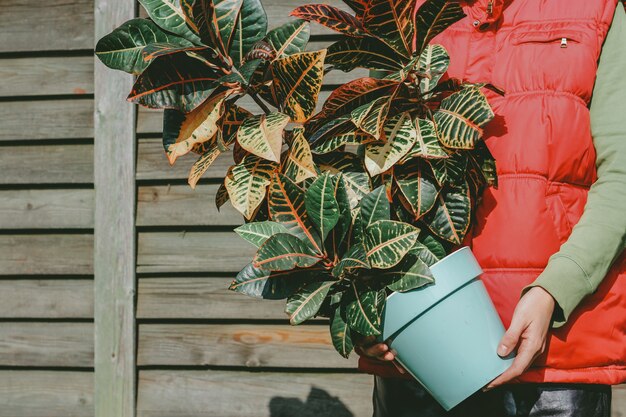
{"points": [[528, 331]]}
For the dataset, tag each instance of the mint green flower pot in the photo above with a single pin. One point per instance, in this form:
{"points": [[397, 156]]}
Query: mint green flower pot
{"points": [[446, 334]]}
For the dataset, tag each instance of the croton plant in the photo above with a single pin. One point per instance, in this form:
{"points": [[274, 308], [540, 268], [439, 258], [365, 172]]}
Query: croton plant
{"points": [[345, 205]]}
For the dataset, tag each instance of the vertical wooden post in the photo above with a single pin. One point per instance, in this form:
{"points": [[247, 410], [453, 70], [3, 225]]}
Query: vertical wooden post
{"points": [[114, 245]]}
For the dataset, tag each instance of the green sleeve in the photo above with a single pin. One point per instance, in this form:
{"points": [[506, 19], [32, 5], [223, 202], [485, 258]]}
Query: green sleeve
{"points": [[599, 237]]}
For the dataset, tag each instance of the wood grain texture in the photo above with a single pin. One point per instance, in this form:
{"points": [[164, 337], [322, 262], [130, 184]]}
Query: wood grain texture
{"points": [[192, 252], [46, 119], [250, 345], [46, 254], [47, 164], [185, 297], [27, 393], [46, 298], [252, 394], [38, 76], [180, 205], [46, 344], [44, 209], [65, 25]]}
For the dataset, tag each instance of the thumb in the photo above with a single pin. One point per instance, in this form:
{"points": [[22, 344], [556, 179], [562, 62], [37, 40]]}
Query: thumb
{"points": [[510, 339]]}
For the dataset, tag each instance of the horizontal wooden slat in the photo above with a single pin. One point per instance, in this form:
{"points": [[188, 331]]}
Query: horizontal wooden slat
{"points": [[46, 164], [46, 119], [46, 298], [239, 345], [63, 25], [210, 298], [46, 394], [180, 205], [46, 208], [46, 344], [39, 76], [243, 394], [192, 252], [46, 254]]}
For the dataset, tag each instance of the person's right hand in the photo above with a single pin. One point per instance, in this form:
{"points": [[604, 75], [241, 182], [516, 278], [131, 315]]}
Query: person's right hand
{"points": [[368, 347]]}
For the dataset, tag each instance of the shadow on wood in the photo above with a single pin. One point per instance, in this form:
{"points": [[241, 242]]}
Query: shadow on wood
{"points": [[319, 403]]}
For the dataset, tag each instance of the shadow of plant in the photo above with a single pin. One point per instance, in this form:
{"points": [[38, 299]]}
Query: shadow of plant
{"points": [[319, 403]]}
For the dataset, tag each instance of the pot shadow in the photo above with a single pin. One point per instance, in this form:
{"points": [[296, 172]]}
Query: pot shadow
{"points": [[319, 403]]}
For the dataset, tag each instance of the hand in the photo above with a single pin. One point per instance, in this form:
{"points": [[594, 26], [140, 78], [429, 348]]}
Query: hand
{"points": [[367, 346], [528, 330]]}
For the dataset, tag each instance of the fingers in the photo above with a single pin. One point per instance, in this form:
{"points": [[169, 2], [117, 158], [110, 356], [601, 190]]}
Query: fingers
{"points": [[510, 339], [526, 354], [399, 367], [368, 347]]}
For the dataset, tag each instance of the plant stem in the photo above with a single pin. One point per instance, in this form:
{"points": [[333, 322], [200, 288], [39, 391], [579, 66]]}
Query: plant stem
{"points": [[258, 101]]}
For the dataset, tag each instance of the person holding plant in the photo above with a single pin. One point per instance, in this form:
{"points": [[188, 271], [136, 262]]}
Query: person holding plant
{"points": [[551, 238]]}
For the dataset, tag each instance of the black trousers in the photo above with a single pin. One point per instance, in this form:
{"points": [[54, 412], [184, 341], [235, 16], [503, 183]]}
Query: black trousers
{"points": [[406, 398]]}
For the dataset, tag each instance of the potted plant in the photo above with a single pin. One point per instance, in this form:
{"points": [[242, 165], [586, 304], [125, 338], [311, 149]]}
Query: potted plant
{"points": [[353, 209]]}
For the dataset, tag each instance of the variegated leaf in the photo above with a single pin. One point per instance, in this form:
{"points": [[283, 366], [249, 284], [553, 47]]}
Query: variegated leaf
{"points": [[409, 274], [400, 136], [248, 186], [358, 6], [350, 166], [340, 333], [432, 18], [391, 21], [370, 117], [450, 218], [355, 257], [367, 52], [375, 206], [387, 242], [169, 15], [331, 17], [306, 302], [258, 232], [428, 249], [287, 206], [221, 196], [214, 148], [363, 312], [354, 137], [452, 170], [299, 164], [432, 64], [334, 126], [250, 28], [263, 135], [297, 83], [259, 283], [283, 252], [460, 118], [427, 144], [418, 186], [339, 242], [321, 205], [290, 38]]}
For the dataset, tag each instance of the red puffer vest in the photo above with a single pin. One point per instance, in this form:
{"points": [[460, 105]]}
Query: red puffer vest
{"points": [[544, 55]]}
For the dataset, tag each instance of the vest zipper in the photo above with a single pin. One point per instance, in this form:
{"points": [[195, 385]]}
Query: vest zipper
{"points": [[563, 42]]}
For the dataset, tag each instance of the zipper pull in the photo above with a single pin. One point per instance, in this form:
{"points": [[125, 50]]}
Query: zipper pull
{"points": [[563, 42], [490, 8]]}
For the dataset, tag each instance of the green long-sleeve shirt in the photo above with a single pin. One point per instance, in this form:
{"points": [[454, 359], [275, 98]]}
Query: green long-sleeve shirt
{"points": [[600, 236]]}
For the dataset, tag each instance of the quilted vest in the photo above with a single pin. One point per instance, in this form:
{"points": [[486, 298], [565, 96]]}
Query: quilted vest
{"points": [[543, 54]]}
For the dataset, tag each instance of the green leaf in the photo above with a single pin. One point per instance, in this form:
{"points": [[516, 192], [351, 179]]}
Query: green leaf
{"points": [[418, 186], [390, 21], [258, 232], [170, 16], [351, 168], [259, 283], [363, 311], [358, 6], [248, 186], [297, 83], [409, 274], [287, 206], [355, 257], [334, 142], [485, 161], [370, 117], [282, 252], [290, 38], [321, 204], [401, 135], [375, 206], [331, 17], [263, 135], [250, 27], [299, 165], [387, 242], [221, 196], [450, 218], [428, 249], [432, 18], [451, 170], [227, 18], [243, 74], [433, 63], [213, 149], [306, 303], [427, 143], [175, 81], [340, 333], [460, 118], [123, 48], [370, 53]]}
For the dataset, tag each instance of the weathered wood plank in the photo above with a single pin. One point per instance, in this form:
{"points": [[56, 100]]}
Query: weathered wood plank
{"points": [[46, 75], [46, 208], [46, 254], [46, 344], [250, 345], [46, 298], [619, 401], [152, 163], [192, 252], [64, 25], [114, 231], [46, 119], [180, 205], [47, 164], [243, 394], [46, 393]]}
